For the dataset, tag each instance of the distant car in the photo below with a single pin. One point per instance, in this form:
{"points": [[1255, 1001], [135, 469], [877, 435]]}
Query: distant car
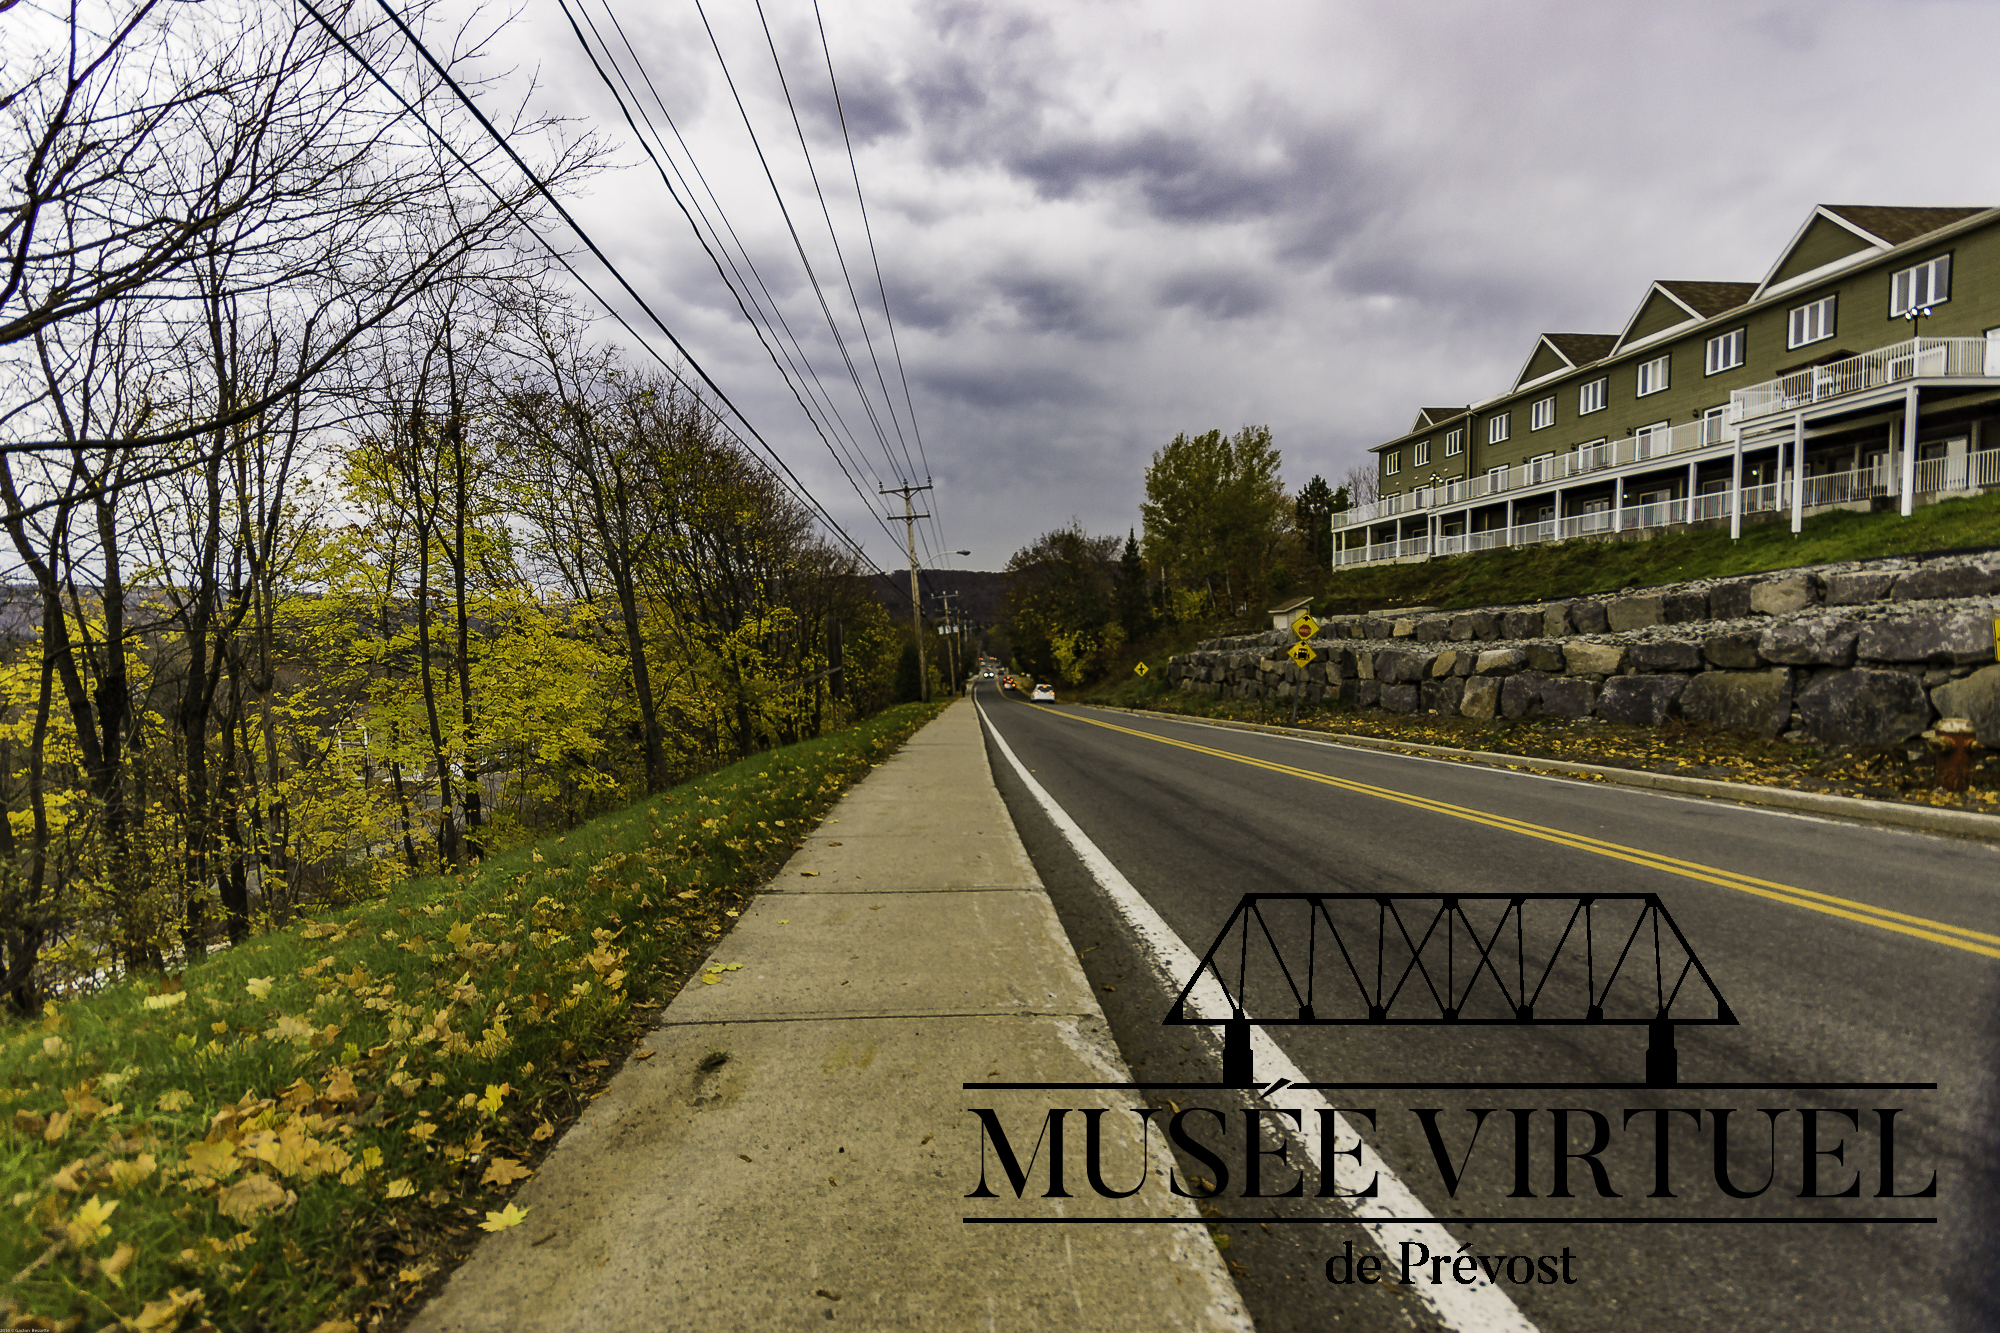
{"points": [[1044, 694], [1006, 682]]}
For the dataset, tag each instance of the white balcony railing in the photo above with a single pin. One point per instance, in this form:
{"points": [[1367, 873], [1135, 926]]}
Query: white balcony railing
{"points": [[1915, 358]]}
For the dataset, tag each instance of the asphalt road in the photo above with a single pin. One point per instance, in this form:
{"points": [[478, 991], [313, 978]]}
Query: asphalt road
{"points": [[1846, 953]]}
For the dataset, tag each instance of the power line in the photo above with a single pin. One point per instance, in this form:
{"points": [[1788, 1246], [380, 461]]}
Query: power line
{"points": [[794, 485], [798, 244], [868, 230], [755, 325]]}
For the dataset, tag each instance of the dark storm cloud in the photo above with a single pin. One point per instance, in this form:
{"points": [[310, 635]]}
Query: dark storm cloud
{"points": [[1004, 385], [1047, 304], [1219, 294], [872, 105]]}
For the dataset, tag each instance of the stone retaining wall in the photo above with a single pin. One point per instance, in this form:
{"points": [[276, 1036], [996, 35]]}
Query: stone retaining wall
{"points": [[1866, 653]]}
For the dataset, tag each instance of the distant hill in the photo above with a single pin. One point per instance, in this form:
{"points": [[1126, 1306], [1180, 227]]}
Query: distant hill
{"points": [[982, 596]]}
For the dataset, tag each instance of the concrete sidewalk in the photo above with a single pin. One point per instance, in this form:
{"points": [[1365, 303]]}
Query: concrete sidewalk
{"points": [[798, 1149]]}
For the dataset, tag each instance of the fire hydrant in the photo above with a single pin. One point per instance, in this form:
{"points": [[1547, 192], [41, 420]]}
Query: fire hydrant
{"points": [[1953, 738]]}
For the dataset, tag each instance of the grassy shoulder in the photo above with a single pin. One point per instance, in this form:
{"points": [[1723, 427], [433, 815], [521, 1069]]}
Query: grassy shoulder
{"points": [[1579, 568], [1892, 773], [303, 1132]]}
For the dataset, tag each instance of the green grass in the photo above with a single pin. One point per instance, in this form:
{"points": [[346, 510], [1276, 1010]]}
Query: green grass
{"points": [[306, 1126], [1578, 568]]}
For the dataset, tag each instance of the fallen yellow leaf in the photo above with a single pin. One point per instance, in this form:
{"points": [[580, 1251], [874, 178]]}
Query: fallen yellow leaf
{"points": [[401, 1188], [510, 1216], [504, 1171]]}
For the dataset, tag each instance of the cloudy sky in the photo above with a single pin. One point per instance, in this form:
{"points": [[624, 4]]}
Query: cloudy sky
{"points": [[1103, 222]]}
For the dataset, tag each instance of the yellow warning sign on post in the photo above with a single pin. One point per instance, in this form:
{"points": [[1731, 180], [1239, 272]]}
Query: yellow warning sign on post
{"points": [[1996, 638], [1305, 627], [1140, 669], [1301, 654]]}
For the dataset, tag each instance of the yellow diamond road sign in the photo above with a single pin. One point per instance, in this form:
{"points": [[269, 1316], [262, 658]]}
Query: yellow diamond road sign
{"points": [[1301, 654], [1140, 669], [1305, 627]]}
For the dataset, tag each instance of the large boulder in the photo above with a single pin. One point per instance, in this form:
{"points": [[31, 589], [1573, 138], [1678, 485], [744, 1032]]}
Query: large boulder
{"points": [[1629, 613], [1522, 694], [1962, 639], [1667, 655], [1821, 641], [1678, 608], [1777, 597], [1399, 698], [1593, 659], [1589, 617], [1977, 698], [1639, 701], [1500, 661], [1730, 601], [1442, 696], [1555, 620], [1446, 662], [1396, 667], [1939, 581], [1544, 656], [1482, 697], [1731, 652], [1863, 707], [1433, 629], [1856, 588], [1756, 701], [1568, 696], [1521, 624]]}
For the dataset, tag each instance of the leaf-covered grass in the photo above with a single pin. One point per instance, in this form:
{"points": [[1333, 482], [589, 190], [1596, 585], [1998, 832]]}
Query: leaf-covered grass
{"points": [[1578, 568], [301, 1131]]}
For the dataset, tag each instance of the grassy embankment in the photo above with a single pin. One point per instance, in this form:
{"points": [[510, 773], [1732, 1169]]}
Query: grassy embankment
{"points": [[305, 1129]]}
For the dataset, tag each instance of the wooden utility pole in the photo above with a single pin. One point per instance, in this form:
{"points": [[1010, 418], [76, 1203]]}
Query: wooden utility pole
{"points": [[910, 517]]}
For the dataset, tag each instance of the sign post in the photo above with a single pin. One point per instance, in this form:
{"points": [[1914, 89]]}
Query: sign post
{"points": [[1302, 656]]}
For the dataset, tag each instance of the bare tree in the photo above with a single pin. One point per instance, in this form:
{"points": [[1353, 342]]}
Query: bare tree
{"points": [[1363, 484]]}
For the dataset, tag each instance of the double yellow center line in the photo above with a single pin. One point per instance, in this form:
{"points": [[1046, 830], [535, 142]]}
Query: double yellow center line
{"points": [[1923, 928]]}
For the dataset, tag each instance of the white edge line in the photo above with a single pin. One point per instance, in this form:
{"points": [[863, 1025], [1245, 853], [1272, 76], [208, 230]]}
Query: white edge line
{"points": [[1481, 1307]]}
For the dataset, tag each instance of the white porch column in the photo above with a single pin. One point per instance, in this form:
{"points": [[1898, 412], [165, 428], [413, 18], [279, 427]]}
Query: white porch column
{"points": [[1510, 520], [1690, 494], [1909, 449], [1558, 530], [1736, 489], [1798, 471], [1618, 504]]}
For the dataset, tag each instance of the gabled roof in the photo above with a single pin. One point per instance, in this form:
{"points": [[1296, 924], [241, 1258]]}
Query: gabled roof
{"points": [[1434, 416], [1893, 226], [1709, 299], [1837, 235], [1669, 305], [1580, 349], [1555, 353]]}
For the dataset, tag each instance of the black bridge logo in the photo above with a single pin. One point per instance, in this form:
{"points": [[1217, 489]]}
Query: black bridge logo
{"points": [[1428, 960]]}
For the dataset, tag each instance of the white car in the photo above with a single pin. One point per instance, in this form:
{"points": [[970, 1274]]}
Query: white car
{"points": [[1044, 694]]}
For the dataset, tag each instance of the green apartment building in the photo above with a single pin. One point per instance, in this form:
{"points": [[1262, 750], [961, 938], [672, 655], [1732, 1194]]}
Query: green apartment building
{"points": [[1862, 371]]}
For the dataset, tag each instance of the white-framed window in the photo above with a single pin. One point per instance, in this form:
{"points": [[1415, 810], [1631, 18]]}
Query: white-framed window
{"points": [[1725, 352], [1499, 427], [1653, 375], [1543, 414], [1712, 420], [1591, 397], [1454, 443], [1420, 453], [1593, 454], [1392, 463], [1541, 468], [1652, 439], [1496, 479], [1810, 323], [1928, 283]]}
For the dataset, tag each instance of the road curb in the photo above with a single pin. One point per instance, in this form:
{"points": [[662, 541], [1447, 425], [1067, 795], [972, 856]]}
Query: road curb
{"points": [[1920, 818]]}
